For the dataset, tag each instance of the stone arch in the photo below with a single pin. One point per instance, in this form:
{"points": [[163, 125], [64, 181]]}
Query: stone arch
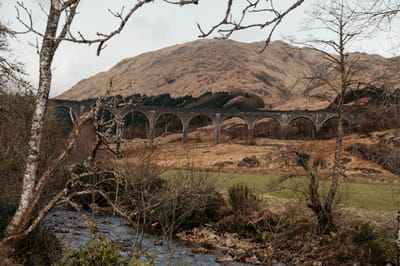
{"points": [[328, 128], [267, 127], [136, 125], [234, 128], [167, 123], [200, 127], [301, 127]]}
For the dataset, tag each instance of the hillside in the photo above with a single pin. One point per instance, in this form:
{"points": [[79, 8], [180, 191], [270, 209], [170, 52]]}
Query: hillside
{"points": [[202, 66]]}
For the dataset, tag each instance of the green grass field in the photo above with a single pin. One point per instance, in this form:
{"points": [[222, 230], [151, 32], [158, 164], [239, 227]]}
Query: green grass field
{"points": [[384, 197]]}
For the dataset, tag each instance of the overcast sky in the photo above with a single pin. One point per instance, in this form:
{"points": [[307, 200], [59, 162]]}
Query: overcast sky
{"points": [[153, 27]]}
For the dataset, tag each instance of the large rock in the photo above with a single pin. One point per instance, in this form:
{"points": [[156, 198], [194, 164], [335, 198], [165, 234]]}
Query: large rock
{"points": [[249, 162]]}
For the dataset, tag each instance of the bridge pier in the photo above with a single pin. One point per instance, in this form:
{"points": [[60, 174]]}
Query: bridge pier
{"points": [[252, 140], [151, 116], [184, 134], [284, 131], [151, 133], [318, 129], [218, 120], [250, 127], [217, 133], [185, 120]]}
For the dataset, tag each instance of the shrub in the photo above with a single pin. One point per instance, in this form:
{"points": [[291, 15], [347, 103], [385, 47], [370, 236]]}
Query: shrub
{"points": [[384, 154], [365, 244], [40, 248], [100, 251], [245, 206], [183, 200], [242, 200], [97, 251], [239, 225], [191, 199]]}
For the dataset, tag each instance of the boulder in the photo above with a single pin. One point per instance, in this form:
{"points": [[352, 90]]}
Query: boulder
{"points": [[250, 162]]}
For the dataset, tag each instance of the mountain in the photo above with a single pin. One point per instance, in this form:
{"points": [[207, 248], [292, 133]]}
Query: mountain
{"points": [[277, 75]]}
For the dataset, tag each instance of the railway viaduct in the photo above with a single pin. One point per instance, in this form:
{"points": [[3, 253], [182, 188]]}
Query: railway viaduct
{"points": [[217, 116]]}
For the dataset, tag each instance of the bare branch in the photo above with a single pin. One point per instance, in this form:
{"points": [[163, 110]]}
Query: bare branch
{"points": [[227, 25], [182, 2], [28, 25], [70, 11]]}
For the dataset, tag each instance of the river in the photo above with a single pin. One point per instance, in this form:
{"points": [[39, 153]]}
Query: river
{"points": [[70, 229]]}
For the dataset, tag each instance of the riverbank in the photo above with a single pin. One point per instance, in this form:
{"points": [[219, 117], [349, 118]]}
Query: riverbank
{"points": [[287, 236], [71, 230]]}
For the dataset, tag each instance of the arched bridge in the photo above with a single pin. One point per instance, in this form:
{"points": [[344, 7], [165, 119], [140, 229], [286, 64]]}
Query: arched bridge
{"points": [[217, 116]]}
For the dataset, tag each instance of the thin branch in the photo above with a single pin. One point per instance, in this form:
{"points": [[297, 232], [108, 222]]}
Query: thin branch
{"points": [[227, 26]]}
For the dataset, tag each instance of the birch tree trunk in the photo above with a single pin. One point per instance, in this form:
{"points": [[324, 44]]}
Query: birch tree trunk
{"points": [[26, 204]]}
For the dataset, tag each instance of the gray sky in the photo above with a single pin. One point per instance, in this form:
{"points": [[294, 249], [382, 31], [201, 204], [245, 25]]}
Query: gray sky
{"points": [[153, 27]]}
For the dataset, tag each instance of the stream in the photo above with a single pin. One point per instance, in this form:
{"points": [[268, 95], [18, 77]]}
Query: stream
{"points": [[71, 231]]}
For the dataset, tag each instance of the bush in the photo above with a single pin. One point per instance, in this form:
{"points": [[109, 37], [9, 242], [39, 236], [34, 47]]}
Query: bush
{"points": [[183, 200], [379, 117], [97, 251], [40, 248], [366, 245], [242, 200], [191, 199], [245, 206], [100, 251], [384, 154]]}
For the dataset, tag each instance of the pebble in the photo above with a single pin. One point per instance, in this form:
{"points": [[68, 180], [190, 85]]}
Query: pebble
{"points": [[224, 257], [199, 250]]}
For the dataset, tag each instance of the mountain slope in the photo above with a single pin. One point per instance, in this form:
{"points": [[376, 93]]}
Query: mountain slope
{"points": [[194, 68]]}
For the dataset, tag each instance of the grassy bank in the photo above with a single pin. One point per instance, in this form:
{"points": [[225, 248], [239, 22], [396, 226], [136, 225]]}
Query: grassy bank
{"points": [[384, 197]]}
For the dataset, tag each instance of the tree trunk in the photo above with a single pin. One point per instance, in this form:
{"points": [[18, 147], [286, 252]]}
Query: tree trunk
{"points": [[326, 223], [29, 198], [339, 132], [336, 164], [324, 216]]}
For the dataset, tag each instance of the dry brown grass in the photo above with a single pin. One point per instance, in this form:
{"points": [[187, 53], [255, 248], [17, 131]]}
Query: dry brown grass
{"points": [[275, 156]]}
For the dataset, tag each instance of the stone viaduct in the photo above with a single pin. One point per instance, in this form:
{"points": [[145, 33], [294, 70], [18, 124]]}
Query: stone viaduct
{"points": [[217, 116]]}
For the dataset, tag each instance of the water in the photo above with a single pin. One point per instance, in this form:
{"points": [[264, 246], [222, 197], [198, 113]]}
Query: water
{"points": [[70, 229]]}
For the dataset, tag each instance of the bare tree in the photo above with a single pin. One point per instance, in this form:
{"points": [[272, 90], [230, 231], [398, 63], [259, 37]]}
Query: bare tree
{"points": [[337, 23], [60, 17]]}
